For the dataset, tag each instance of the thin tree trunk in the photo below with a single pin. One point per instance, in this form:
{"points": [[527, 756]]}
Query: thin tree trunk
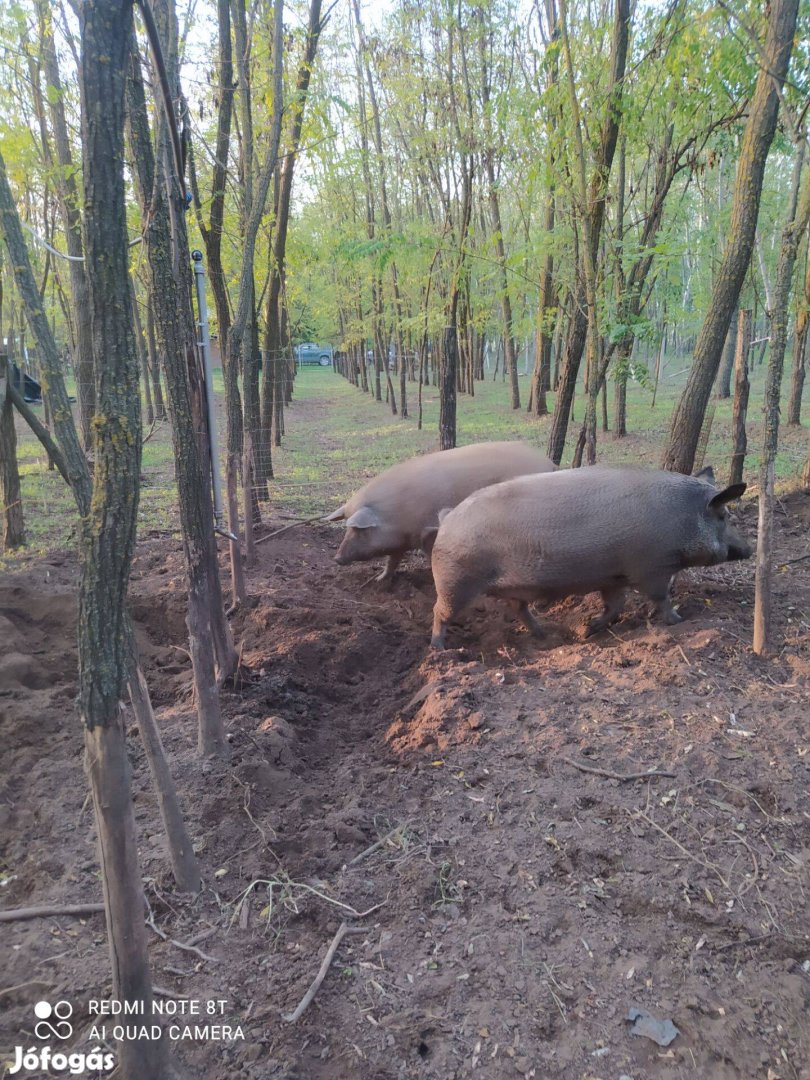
{"points": [[69, 199], [108, 529], [797, 219], [154, 364], [143, 363], [801, 346], [166, 247], [13, 521], [727, 366], [593, 213], [741, 390]]}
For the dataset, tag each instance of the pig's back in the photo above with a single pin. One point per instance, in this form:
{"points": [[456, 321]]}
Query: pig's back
{"points": [[595, 524], [413, 492]]}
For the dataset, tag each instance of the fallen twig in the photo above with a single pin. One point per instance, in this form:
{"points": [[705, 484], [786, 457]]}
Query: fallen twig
{"points": [[614, 775], [742, 942], [22, 986], [162, 992], [378, 844], [306, 1000], [295, 524], [180, 944], [679, 845], [16, 914]]}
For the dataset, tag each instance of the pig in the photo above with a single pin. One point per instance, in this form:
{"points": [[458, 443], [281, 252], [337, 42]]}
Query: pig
{"points": [[580, 531], [398, 510]]}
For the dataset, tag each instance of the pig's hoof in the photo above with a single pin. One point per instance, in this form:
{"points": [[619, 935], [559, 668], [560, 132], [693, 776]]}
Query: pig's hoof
{"points": [[437, 642], [596, 626], [672, 618]]}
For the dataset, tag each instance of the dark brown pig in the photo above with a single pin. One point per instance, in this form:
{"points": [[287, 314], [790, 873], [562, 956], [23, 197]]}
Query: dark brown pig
{"points": [[580, 531], [395, 511]]}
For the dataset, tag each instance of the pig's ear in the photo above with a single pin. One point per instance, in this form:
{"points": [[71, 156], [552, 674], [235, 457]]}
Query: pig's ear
{"points": [[706, 474], [443, 513], [337, 515], [428, 538], [364, 518], [727, 495]]}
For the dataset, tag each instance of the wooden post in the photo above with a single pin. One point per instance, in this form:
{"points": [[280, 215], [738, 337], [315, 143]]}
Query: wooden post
{"points": [[741, 391]]}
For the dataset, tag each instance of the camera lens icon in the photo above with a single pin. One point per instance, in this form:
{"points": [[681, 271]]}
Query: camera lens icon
{"points": [[53, 1020]]}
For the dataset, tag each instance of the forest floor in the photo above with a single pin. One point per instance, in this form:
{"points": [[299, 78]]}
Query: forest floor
{"points": [[517, 906]]}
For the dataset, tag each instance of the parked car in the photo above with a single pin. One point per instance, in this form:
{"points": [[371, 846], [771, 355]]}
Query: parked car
{"points": [[310, 353]]}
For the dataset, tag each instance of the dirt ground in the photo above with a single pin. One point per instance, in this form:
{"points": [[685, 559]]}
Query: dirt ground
{"points": [[517, 906]]}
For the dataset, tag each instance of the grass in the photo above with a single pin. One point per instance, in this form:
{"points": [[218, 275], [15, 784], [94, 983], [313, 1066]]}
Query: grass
{"points": [[337, 437]]}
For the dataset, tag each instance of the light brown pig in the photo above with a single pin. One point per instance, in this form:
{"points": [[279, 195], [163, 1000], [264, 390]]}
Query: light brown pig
{"points": [[580, 531], [399, 509]]}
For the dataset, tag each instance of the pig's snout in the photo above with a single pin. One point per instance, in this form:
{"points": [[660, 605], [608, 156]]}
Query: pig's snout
{"points": [[738, 549], [342, 557]]}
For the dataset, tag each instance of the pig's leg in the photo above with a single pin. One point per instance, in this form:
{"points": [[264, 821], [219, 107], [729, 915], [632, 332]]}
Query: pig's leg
{"points": [[439, 627], [613, 600], [659, 592], [527, 618], [391, 564]]}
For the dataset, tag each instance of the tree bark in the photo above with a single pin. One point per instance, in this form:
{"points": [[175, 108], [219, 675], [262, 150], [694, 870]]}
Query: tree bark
{"points": [[166, 248], [69, 200], [797, 219], [143, 360], [679, 454], [741, 390], [13, 521], [801, 341], [212, 238], [154, 364], [727, 367], [108, 529]]}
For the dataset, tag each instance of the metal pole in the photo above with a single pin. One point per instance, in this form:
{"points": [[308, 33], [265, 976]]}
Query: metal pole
{"points": [[205, 348]]}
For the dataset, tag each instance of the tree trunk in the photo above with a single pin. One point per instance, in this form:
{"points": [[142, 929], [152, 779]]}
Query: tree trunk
{"points": [[741, 391], [801, 343], [687, 420], [166, 248], [13, 522], [108, 529], [75, 462], [729, 352], [593, 214], [154, 364], [69, 199], [447, 389], [143, 362], [797, 219], [212, 238]]}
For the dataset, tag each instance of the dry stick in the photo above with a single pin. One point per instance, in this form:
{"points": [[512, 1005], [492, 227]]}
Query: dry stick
{"points": [[16, 914], [378, 844], [306, 1000], [295, 524], [614, 775], [180, 944], [679, 845], [22, 986]]}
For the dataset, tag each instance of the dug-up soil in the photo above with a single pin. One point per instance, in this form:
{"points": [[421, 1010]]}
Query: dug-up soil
{"points": [[521, 899]]}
